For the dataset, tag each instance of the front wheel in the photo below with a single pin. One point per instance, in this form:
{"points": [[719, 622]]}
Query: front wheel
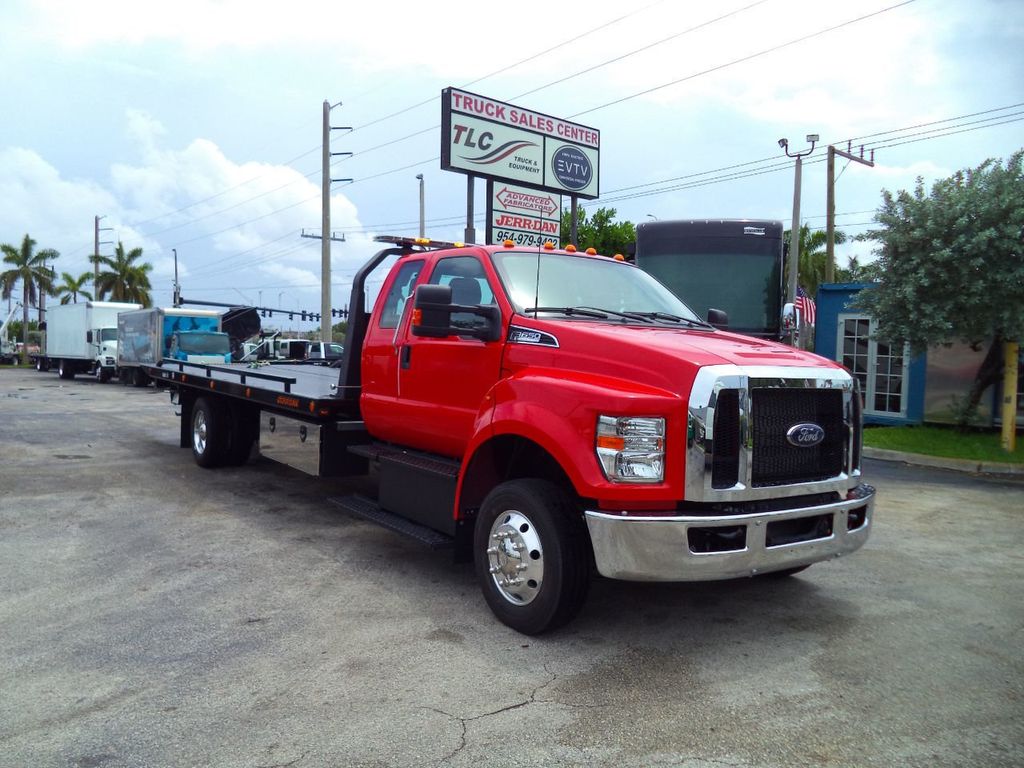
{"points": [[531, 555]]}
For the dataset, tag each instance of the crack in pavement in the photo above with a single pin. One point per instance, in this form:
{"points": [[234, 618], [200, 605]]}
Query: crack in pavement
{"points": [[283, 765], [464, 720]]}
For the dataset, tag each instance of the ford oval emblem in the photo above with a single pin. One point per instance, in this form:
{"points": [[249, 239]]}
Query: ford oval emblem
{"points": [[805, 435]]}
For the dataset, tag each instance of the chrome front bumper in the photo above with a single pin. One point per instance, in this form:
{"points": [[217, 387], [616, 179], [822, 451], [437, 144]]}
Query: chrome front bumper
{"points": [[636, 548]]}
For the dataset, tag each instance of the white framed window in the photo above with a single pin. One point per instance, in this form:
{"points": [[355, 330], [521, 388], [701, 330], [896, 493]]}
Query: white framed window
{"points": [[880, 367]]}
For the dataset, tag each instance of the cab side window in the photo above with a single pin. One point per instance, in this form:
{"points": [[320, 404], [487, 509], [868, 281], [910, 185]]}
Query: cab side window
{"points": [[399, 293], [466, 276]]}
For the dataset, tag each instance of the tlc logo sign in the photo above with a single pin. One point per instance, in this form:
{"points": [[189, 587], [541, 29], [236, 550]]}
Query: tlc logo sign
{"points": [[467, 137]]}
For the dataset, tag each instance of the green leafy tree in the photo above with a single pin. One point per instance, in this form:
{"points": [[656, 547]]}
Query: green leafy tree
{"points": [[813, 256], [951, 265], [124, 279], [30, 268], [598, 231], [72, 287]]}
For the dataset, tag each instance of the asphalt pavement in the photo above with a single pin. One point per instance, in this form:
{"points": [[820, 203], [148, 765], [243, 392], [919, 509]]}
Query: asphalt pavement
{"points": [[156, 614]]}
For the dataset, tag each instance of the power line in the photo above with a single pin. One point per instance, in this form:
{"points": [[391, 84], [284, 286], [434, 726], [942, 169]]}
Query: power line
{"points": [[752, 56], [435, 127], [396, 114], [774, 164]]}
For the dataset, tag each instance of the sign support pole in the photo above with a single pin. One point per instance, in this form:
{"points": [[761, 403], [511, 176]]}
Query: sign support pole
{"points": [[573, 221], [470, 231]]}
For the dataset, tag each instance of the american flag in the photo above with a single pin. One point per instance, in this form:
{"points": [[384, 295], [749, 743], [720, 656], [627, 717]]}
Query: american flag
{"points": [[805, 304]]}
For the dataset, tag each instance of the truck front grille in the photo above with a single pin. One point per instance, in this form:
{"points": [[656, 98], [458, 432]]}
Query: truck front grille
{"points": [[775, 460], [738, 419], [725, 455]]}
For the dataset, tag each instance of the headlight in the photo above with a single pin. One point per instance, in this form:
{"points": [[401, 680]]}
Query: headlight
{"points": [[631, 449]]}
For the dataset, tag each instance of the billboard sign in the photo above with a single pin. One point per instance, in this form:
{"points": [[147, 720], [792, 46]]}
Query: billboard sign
{"points": [[503, 142], [523, 215]]}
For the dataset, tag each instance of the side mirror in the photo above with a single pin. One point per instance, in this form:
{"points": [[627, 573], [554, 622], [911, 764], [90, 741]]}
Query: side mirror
{"points": [[788, 317], [718, 318], [88, 337], [432, 311], [432, 315]]}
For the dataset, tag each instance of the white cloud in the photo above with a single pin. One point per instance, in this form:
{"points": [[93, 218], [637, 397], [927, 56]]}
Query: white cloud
{"points": [[231, 223], [56, 212]]}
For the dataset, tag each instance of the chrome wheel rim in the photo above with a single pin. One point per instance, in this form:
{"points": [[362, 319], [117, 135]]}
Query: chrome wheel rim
{"points": [[515, 557], [199, 432]]}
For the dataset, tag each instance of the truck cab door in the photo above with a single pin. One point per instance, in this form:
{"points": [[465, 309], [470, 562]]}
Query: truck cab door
{"points": [[442, 383], [379, 399]]}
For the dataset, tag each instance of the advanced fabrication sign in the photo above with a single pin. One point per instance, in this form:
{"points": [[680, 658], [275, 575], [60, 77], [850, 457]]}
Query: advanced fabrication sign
{"points": [[495, 140], [525, 216]]}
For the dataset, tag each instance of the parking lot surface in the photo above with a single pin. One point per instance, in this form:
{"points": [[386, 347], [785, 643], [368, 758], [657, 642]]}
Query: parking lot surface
{"points": [[153, 613]]}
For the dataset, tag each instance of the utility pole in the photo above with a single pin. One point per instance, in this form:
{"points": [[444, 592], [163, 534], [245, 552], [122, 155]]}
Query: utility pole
{"points": [[830, 204], [794, 232], [96, 256], [325, 246], [96, 253], [177, 285]]}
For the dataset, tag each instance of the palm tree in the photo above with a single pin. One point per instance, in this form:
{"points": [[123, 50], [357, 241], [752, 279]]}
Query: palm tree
{"points": [[30, 268], [71, 287], [124, 280], [813, 256]]}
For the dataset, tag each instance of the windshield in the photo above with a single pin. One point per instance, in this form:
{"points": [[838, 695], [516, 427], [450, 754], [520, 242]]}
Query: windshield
{"points": [[582, 281], [201, 343], [741, 274], [108, 334]]}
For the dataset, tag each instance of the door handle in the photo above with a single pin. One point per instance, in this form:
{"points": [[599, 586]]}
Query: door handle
{"points": [[405, 356]]}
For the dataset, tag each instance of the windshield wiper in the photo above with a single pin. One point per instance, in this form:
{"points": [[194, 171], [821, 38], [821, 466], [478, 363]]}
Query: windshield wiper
{"points": [[674, 319], [581, 311], [626, 315]]}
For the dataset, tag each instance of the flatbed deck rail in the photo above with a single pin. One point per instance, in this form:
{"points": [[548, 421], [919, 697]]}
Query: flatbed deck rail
{"points": [[307, 392], [242, 374]]}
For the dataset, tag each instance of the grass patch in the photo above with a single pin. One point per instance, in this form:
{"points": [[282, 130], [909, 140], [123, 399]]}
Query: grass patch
{"points": [[944, 441]]}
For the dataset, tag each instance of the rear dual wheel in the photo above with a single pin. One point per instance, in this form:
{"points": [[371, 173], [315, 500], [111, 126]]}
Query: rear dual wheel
{"points": [[209, 432], [223, 433]]}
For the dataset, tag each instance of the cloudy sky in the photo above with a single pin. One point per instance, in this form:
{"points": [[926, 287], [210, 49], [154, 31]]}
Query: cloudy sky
{"points": [[195, 126]]}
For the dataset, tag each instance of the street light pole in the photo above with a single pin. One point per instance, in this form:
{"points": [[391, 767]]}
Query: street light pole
{"points": [[423, 220], [794, 231]]}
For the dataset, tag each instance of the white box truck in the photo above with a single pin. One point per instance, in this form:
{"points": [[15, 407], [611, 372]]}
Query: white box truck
{"points": [[82, 338]]}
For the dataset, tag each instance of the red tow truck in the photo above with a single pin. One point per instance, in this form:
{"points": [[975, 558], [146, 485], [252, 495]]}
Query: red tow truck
{"points": [[551, 413]]}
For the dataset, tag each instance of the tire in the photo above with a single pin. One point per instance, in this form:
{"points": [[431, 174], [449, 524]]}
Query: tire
{"points": [[64, 370], [102, 375], [210, 432], [139, 378], [39, 364], [245, 429], [531, 555]]}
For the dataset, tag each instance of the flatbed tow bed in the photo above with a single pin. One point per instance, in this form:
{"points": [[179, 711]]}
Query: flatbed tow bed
{"points": [[294, 410], [301, 389]]}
